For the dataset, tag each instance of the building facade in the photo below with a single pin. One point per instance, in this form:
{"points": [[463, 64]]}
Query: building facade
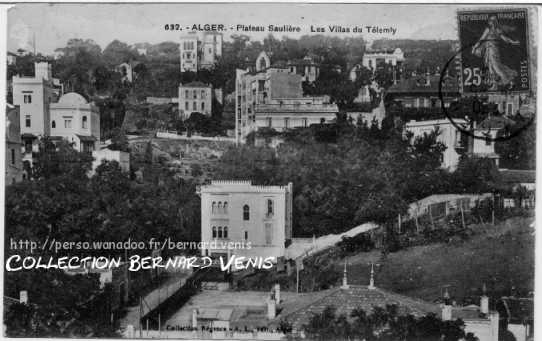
{"points": [[306, 67], [374, 58], [423, 92], [211, 49], [14, 160], [77, 121], [200, 52], [102, 155], [455, 142], [272, 97], [257, 217], [195, 97], [189, 52]]}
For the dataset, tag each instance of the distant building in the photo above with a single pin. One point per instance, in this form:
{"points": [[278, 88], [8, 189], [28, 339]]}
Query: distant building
{"points": [[77, 121], [199, 52], [11, 58], [372, 59], [517, 317], [482, 322], [123, 159], [523, 184], [483, 146], [211, 49], [195, 97], [189, 52], [127, 72], [455, 141], [14, 160], [423, 92], [306, 67], [242, 213], [33, 95], [271, 96]]}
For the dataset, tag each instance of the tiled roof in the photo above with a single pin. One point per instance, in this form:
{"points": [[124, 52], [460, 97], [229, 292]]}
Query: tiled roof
{"points": [[418, 84], [518, 175], [345, 301]]}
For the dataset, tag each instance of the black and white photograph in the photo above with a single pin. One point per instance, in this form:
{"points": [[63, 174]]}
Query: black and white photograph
{"points": [[270, 171]]}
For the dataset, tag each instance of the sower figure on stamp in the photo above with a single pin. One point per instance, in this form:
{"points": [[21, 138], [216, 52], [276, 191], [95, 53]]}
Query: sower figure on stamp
{"points": [[487, 47]]}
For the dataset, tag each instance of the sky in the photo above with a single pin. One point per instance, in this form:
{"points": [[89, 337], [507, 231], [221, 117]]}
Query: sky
{"points": [[54, 24]]}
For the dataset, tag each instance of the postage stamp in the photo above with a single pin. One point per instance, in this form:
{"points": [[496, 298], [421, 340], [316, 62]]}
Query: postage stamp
{"points": [[494, 51]]}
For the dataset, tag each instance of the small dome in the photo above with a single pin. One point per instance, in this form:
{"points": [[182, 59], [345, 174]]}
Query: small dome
{"points": [[72, 98]]}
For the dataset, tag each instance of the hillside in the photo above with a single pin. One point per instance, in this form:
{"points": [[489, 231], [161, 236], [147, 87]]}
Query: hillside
{"points": [[502, 257]]}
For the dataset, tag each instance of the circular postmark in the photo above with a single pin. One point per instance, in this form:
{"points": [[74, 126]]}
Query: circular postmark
{"points": [[510, 132]]}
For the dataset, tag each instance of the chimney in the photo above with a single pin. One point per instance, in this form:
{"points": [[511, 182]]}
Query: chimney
{"points": [[271, 308], [372, 280], [194, 318], [447, 307], [345, 279], [23, 297], [277, 293], [484, 302]]}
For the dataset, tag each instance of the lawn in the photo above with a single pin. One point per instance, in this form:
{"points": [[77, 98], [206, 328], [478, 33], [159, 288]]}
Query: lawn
{"points": [[500, 256]]}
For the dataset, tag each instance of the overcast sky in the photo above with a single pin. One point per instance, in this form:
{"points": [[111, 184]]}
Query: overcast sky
{"points": [[54, 24]]}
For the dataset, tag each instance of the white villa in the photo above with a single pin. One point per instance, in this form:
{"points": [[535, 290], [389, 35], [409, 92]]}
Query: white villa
{"points": [[258, 217]]}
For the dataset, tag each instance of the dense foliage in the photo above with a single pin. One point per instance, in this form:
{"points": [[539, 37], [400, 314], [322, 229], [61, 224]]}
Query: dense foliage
{"points": [[65, 205], [383, 324], [367, 174]]}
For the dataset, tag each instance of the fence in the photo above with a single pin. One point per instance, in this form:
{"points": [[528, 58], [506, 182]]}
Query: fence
{"points": [[174, 136], [203, 335]]}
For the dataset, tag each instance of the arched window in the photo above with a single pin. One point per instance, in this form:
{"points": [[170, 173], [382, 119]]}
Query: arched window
{"points": [[214, 231], [53, 124], [225, 232], [219, 208], [85, 123], [213, 209], [246, 212], [270, 208], [220, 232], [225, 207]]}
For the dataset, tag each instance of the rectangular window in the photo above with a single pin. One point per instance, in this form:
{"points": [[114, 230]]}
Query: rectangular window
{"points": [[268, 233], [27, 121], [202, 106], [202, 93], [269, 122], [286, 122], [305, 123], [246, 235], [12, 156], [186, 94], [27, 98], [186, 106], [195, 93], [195, 106], [67, 123]]}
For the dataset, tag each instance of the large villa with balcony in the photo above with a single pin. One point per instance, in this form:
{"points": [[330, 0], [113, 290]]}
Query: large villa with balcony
{"points": [[272, 96]]}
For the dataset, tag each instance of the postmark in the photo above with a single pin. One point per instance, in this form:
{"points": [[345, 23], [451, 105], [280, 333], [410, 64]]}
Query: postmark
{"points": [[488, 64]]}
